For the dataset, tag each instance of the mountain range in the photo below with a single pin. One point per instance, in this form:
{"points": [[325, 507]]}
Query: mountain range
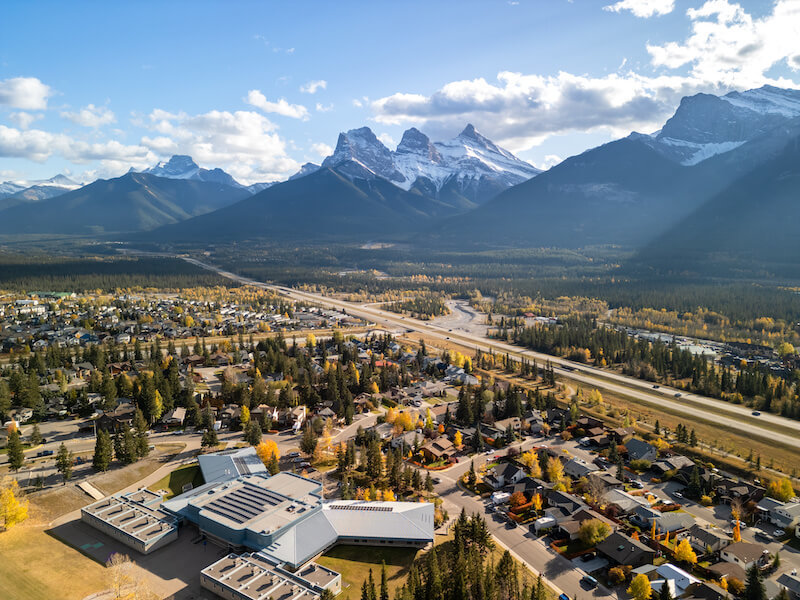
{"points": [[685, 197], [13, 193]]}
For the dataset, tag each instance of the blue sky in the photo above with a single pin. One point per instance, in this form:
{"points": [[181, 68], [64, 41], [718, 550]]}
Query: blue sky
{"points": [[258, 88]]}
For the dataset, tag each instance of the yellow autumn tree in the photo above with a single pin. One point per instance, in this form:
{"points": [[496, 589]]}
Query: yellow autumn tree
{"points": [[373, 388], [685, 553], [555, 470], [245, 417], [388, 496], [311, 340], [12, 509], [640, 588], [458, 439], [266, 450], [536, 502]]}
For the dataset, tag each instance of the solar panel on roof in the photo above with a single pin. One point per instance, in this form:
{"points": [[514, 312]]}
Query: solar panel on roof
{"points": [[362, 507]]}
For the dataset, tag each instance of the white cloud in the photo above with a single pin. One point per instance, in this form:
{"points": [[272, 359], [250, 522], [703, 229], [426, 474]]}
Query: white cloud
{"points": [[91, 116], [244, 143], [324, 108], [387, 140], [312, 87], [26, 93], [323, 150], [521, 111], [725, 49], [729, 46], [549, 160], [24, 120], [281, 107], [32, 144], [643, 8], [357, 103], [38, 145]]}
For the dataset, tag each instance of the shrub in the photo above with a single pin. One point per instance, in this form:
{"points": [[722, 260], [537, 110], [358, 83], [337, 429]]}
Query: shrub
{"points": [[640, 465], [706, 500]]}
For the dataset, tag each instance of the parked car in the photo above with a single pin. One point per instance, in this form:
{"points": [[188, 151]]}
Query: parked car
{"points": [[637, 484], [677, 495], [678, 395], [741, 525], [588, 556], [512, 524], [437, 480], [45, 453], [779, 533], [589, 581], [655, 387], [563, 597], [756, 413]]}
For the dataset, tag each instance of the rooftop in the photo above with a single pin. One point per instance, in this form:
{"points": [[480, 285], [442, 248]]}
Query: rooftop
{"points": [[129, 514]]}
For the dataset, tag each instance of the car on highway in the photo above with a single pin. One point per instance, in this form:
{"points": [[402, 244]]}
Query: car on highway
{"points": [[678, 395], [45, 453], [437, 480], [756, 413], [655, 387], [589, 581]]}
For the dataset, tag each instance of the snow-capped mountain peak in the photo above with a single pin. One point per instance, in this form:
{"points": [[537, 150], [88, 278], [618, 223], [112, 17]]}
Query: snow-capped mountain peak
{"points": [[767, 100], [705, 125], [178, 166], [360, 149], [469, 158], [181, 166]]}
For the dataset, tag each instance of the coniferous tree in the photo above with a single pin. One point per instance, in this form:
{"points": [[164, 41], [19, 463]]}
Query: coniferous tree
{"points": [[16, 456], [102, 451], [209, 439], [754, 589], [36, 435], [142, 441], [64, 462], [384, 582]]}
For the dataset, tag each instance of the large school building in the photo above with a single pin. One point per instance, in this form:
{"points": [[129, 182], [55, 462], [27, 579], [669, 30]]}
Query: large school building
{"points": [[277, 524]]}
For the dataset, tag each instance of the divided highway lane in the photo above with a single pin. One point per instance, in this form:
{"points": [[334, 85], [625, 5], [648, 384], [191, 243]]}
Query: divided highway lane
{"points": [[691, 405]]}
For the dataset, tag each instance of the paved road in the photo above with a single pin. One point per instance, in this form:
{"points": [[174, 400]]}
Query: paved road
{"points": [[691, 405], [530, 549]]}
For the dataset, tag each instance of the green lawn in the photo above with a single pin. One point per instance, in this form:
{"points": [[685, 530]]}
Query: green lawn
{"points": [[175, 481], [354, 563]]}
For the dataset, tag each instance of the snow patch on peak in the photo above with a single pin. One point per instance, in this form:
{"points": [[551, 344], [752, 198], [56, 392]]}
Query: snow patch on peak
{"points": [[767, 100]]}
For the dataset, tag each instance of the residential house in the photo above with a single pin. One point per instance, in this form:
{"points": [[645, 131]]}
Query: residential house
{"points": [[640, 450], [578, 468], [532, 422], [175, 417], [704, 539], [743, 554], [571, 526], [786, 516], [439, 449], [566, 502], [672, 463], [606, 480], [678, 579], [729, 489], [118, 419], [405, 440], [791, 583], [621, 549], [620, 435], [706, 591], [503, 475], [623, 502]]}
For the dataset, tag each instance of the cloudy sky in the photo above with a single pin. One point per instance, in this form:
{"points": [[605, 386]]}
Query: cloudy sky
{"points": [[258, 88]]}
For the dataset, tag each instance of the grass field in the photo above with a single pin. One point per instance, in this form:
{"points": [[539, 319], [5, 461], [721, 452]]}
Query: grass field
{"points": [[175, 481], [35, 566], [354, 563]]}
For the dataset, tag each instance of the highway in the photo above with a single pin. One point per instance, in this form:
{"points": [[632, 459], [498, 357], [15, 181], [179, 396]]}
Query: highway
{"points": [[734, 417]]}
